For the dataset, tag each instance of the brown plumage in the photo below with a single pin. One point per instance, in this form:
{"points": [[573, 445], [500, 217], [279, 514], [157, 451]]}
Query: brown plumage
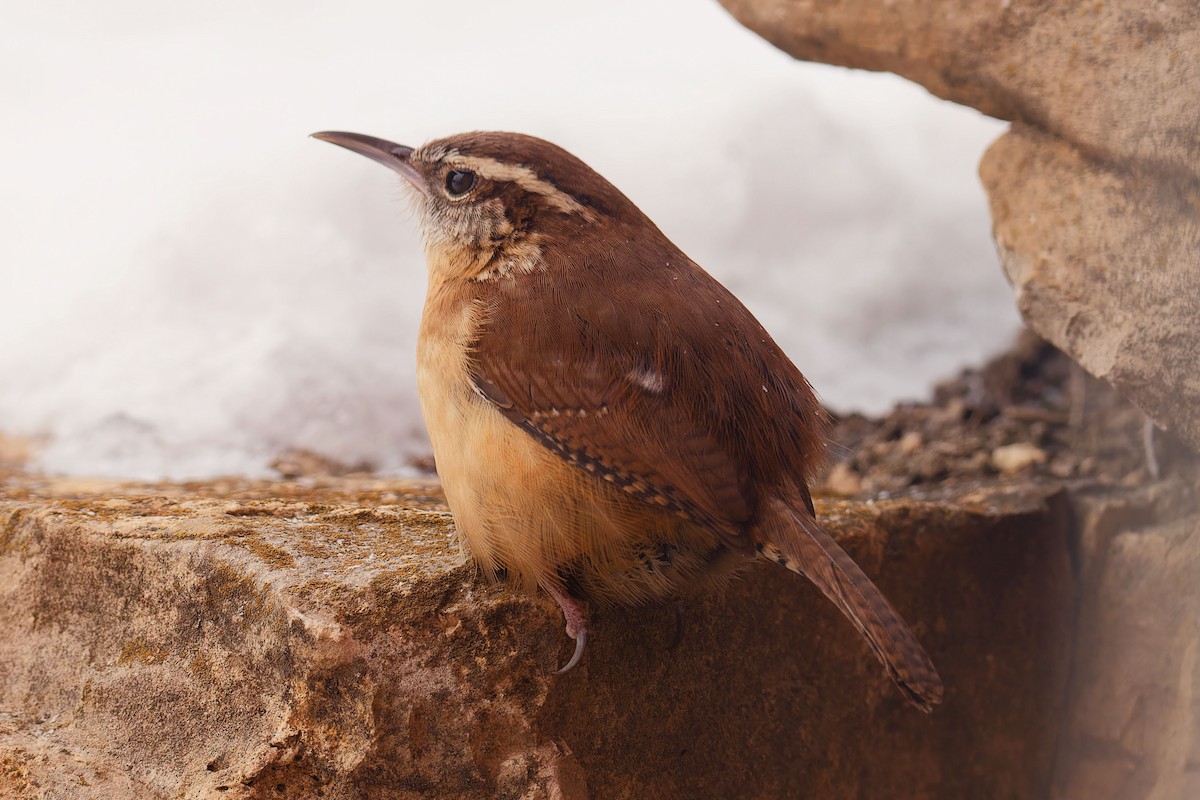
{"points": [[609, 422]]}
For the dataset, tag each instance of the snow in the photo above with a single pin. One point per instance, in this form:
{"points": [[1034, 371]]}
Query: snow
{"points": [[189, 285]]}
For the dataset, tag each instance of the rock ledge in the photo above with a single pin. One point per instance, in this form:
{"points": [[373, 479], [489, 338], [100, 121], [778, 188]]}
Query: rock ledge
{"points": [[259, 640]]}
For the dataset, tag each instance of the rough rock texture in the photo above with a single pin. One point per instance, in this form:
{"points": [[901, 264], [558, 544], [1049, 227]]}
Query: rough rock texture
{"points": [[1095, 192], [270, 640], [1105, 261], [1133, 728]]}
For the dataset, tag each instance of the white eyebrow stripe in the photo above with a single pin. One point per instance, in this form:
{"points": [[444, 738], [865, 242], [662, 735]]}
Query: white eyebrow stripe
{"points": [[524, 177]]}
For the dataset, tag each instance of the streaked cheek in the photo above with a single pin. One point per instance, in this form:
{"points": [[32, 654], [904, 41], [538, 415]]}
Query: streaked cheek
{"points": [[478, 224]]}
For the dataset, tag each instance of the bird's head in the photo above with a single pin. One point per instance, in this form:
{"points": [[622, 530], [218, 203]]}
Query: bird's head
{"points": [[490, 204]]}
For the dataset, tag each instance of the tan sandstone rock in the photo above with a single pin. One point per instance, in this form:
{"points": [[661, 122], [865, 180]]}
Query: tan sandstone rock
{"points": [[1095, 193], [265, 640], [1105, 262], [1132, 728]]}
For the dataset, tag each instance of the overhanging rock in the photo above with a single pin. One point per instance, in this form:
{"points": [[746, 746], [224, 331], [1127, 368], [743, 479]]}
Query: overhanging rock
{"points": [[1095, 192]]}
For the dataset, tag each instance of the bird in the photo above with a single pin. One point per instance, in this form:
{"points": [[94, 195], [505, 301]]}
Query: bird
{"points": [[609, 423]]}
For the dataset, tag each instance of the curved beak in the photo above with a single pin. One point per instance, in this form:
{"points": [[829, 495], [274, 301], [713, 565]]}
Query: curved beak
{"points": [[391, 155]]}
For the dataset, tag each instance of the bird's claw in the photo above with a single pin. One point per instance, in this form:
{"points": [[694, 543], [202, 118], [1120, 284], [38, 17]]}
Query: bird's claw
{"points": [[576, 619], [577, 656]]}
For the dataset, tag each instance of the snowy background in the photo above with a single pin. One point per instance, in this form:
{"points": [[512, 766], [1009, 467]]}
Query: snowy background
{"points": [[189, 285]]}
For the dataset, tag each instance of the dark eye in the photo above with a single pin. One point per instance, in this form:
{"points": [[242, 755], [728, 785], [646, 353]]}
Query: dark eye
{"points": [[459, 182]]}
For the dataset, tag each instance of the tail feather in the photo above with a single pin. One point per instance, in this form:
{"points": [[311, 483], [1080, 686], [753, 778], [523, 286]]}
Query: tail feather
{"points": [[799, 543]]}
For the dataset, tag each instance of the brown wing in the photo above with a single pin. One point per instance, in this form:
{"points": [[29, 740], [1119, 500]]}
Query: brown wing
{"points": [[605, 421], [671, 391]]}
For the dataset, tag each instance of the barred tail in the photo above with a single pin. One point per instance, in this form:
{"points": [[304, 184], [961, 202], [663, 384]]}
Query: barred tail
{"points": [[798, 542]]}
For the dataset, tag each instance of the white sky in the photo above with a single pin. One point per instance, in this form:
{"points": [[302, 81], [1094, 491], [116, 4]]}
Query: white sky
{"points": [[188, 284]]}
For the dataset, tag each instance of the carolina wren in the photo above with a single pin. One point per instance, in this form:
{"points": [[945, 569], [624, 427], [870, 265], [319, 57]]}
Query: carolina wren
{"points": [[609, 422]]}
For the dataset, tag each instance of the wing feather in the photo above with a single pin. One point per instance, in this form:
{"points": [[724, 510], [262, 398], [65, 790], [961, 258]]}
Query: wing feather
{"points": [[695, 410]]}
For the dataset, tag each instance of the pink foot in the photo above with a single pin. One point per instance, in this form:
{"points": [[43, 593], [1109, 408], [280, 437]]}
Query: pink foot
{"points": [[576, 618]]}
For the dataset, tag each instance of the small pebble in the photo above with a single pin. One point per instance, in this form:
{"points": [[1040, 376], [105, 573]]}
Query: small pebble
{"points": [[843, 480], [1012, 458], [1063, 467], [911, 442]]}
